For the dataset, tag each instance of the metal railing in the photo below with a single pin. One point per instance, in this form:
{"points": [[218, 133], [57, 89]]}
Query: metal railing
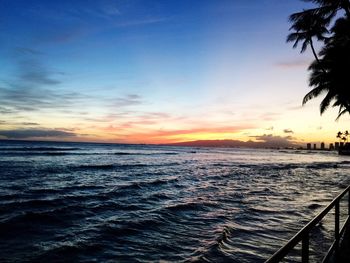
{"points": [[304, 233]]}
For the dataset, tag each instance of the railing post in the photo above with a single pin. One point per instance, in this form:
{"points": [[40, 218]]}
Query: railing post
{"points": [[336, 225], [305, 248]]}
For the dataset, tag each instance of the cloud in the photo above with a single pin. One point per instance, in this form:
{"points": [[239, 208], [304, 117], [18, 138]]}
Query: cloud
{"points": [[271, 140], [104, 9], [33, 86], [74, 21], [156, 115], [64, 35], [141, 22], [73, 11], [29, 123], [33, 72], [18, 123], [288, 131], [226, 129], [300, 107], [30, 69], [269, 116], [128, 100], [167, 135], [298, 63], [108, 9], [15, 98], [35, 133], [26, 51], [5, 110]]}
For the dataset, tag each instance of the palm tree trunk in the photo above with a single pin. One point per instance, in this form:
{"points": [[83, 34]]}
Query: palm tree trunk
{"points": [[313, 51], [315, 55]]}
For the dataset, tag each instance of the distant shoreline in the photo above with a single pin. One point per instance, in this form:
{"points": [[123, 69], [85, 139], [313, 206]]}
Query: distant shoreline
{"points": [[199, 143]]}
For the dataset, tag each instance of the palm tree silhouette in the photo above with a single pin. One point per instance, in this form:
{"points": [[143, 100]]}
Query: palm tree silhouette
{"points": [[333, 5], [346, 135], [339, 134], [330, 76], [307, 24], [343, 136], [329, 71]]}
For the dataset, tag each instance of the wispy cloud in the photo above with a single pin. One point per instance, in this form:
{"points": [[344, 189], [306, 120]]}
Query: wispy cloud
{"points": [[141, 22], [74, 11], [24, 98], [74, 21], [6, 110], [33, 72], [35, 133], [128, 100], [64, 34], [19, 51], [297, 63], [269, 116], [18, 123], [33, 86], [109, 9]]}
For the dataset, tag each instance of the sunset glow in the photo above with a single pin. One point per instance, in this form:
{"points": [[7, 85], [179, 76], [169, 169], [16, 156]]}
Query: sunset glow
{"points": [[155, 72]]}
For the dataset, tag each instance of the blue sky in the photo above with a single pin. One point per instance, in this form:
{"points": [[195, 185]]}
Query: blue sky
{"points": [[153, 71]]}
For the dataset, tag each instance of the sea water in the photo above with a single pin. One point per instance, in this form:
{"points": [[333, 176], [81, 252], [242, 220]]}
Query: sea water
{"points": [[69, 202]]}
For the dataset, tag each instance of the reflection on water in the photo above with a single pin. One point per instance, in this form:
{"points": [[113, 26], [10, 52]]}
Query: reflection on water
{"points": [[92, 202]]}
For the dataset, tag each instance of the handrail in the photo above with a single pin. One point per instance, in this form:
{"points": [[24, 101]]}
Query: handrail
{"points": [[303, 234]]}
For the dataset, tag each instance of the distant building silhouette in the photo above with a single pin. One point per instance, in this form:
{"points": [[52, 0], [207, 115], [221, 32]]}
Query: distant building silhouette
{"points": [[322, 145], [331, 146], [308, 146], [315, 146], [336, 145]]}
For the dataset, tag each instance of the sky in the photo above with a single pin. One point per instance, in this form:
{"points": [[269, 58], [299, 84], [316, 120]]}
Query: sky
{"points": [[132, 71]]}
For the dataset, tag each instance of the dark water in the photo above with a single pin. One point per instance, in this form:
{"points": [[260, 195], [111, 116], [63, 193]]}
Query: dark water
{"points": [[71, 202]]}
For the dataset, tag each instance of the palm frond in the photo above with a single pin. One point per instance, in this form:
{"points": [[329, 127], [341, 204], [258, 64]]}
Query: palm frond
{"points": [[326, 102], [312, 94]]}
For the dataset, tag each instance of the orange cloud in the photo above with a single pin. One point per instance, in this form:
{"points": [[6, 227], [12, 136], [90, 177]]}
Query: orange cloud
{"points": [[166, 136]]}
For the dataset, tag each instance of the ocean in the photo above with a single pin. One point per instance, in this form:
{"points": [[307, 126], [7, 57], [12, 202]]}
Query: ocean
{"points": [[84, 202]]}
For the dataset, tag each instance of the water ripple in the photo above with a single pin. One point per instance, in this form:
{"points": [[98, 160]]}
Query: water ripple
{"points": [[89, 202]]}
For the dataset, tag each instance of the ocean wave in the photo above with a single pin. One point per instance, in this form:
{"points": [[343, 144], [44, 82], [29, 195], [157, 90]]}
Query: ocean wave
{"points": [[147, 184], [191, 206], [122, 229], [322, 165], [144, 153], [99, 205], [30, 220], [314, 206], [48, 153], [159, 196], [32, 149], [286, 166], [168, 153], [94, 167], [119, 166], [108, 166], [126, 153]]}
